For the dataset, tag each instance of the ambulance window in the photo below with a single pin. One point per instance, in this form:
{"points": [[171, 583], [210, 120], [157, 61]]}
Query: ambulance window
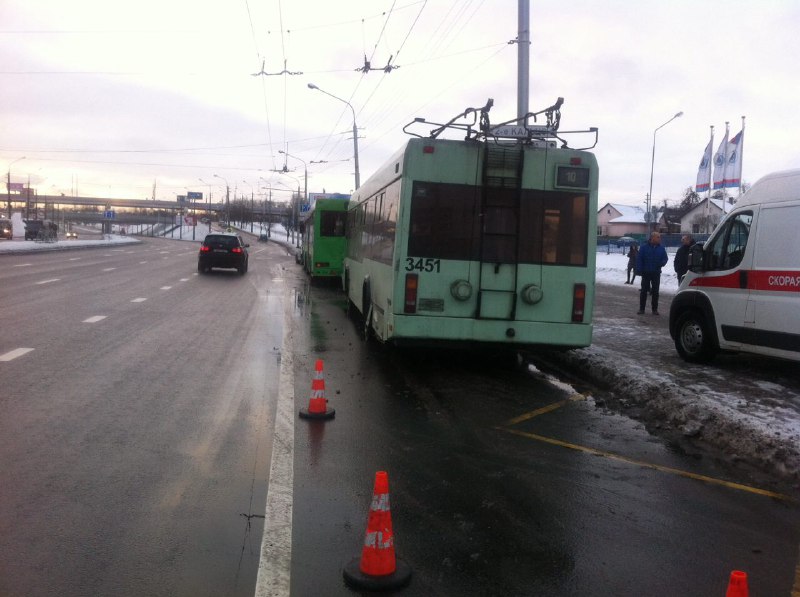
{"points": [[728, 246]]}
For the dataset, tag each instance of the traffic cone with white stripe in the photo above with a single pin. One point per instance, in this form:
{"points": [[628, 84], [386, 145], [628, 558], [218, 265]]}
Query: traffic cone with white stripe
{"points": [[378, 569], [737, 585], [317, 404]]}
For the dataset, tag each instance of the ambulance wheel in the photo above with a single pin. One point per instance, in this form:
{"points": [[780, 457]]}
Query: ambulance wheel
{"points": [[694, 339]]}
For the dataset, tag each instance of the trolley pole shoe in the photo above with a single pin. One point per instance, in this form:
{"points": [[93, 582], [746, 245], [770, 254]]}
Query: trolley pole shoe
{"points": [[317, 404], [378, 569], [737, 585]]}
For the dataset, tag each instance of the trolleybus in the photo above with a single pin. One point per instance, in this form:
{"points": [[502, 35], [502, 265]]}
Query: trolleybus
{"points": [[489, 239], [324, 239]]}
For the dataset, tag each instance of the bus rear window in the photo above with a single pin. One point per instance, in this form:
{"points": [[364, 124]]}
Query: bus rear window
{"points": [[549, 227], [331, 223]]}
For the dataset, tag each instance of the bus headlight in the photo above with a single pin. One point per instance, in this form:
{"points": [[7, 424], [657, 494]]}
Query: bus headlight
{"points": [[531, 294], [461, 290]]}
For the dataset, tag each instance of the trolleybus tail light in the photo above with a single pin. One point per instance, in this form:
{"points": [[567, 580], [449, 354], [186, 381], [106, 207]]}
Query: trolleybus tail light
{"points": [[574, 161], [427, 149], [410, 304], [578, 302], [321, 264]]}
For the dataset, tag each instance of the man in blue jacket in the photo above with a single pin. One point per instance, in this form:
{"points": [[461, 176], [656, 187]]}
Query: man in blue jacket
{"points": [[652, 257]]}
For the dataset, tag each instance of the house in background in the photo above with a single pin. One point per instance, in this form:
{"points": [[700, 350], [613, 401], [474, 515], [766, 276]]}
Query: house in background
{"points": [[705, 216], [616, 219]]}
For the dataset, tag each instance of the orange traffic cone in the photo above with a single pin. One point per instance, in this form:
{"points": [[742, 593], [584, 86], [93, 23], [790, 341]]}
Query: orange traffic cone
{"points": [[737, 585], [317, 404], [378, 569]]}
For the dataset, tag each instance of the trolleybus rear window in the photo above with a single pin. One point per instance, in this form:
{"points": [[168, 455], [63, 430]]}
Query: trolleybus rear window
{"points": [[550, 227]]}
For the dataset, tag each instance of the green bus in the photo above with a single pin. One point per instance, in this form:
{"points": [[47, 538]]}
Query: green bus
{"points": [[323, 233], [483, 240]]}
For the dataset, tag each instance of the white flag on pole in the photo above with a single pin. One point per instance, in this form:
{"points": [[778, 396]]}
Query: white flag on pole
{"points": [[704, 170], [720, 162], [733, 169]]}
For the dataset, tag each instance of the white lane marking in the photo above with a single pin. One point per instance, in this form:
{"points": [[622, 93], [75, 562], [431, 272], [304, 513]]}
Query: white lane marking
{"points": [[275, 565], [166, 287], [185, 279], [23, 265], [48, 281], [109, 269], [142, 262], [74, 258], [139, 300], [11, 355], [95, 318]]}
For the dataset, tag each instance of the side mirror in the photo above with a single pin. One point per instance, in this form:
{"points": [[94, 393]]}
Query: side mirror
{"points": [[696, 258]]}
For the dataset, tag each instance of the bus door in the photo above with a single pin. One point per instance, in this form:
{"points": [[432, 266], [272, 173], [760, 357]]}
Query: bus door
{"points": [[499, 234]]}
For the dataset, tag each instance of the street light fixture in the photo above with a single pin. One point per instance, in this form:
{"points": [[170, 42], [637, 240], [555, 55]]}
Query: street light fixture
{"points": [[355, 129], [652, 164], [8, 185]]}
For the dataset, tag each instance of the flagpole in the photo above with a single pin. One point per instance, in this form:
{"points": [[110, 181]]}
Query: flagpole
{"points": [[741, 157], [710, 168]]}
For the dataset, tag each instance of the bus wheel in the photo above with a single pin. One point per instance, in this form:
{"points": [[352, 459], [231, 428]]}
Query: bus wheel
{"points": [[694, 340]]}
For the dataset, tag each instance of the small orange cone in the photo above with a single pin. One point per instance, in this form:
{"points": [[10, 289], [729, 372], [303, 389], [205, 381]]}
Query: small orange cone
{"points": [[317, 404], [378, 569], [737, 585]]}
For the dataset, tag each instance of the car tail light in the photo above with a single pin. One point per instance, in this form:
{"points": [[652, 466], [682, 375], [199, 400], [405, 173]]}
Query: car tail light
{"points": [[578, 302], [237, 250], [205, 249], [410, 304]]}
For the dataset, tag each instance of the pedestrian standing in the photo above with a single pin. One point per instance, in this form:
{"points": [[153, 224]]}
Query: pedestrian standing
{"points": [[652, 257], [681, 261], [633, 252]]}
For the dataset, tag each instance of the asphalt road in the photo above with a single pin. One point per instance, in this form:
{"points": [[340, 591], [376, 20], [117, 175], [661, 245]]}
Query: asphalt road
{"points": [[138, 452]]}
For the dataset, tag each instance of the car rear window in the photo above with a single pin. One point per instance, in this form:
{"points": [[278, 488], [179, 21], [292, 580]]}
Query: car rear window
{"points": [[221, 242]]}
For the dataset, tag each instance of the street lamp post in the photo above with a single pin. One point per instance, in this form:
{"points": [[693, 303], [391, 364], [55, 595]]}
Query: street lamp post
{"points": [[208, 203], [355, 130], [8, 185], [227, 200], [652, 164], [252, 192]]}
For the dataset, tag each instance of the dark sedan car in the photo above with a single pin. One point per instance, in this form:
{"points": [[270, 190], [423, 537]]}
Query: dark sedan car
{"points": [[222, 250]]}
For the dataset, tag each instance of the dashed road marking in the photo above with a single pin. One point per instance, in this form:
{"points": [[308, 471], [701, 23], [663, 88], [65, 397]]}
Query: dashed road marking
{"points": [[138, 300], [165, 287], [48, 281], [23, 265], [95, 319], [185, 279], [13, 354], [109, 269]]}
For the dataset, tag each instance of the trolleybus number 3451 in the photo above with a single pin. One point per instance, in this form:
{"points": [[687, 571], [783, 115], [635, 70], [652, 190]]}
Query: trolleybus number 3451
{"points": [[423, 265]]}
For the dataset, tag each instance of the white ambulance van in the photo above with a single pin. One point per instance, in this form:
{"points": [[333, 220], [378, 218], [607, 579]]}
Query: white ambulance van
{"points": [[742, 291]]}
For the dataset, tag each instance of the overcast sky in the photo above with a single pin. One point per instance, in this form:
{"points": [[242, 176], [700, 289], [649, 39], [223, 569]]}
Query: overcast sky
{"points": [[112, 98]]}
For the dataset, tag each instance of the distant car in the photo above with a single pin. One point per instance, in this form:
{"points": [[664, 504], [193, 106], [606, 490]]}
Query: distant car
{"points": [[626, 241], [6, 229], [223, 250], [71, 235], [263, 237]]}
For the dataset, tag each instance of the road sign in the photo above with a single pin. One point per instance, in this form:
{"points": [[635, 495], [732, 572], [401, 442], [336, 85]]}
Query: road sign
{"points": [[192, 195], [109, 214]]}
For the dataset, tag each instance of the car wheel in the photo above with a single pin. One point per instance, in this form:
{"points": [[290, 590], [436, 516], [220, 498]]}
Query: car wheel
{"points": [[694, 340]]}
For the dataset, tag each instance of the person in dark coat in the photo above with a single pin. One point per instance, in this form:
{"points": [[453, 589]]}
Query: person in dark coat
{"points": [[633, 252], [681, 262], [652, 257]]}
